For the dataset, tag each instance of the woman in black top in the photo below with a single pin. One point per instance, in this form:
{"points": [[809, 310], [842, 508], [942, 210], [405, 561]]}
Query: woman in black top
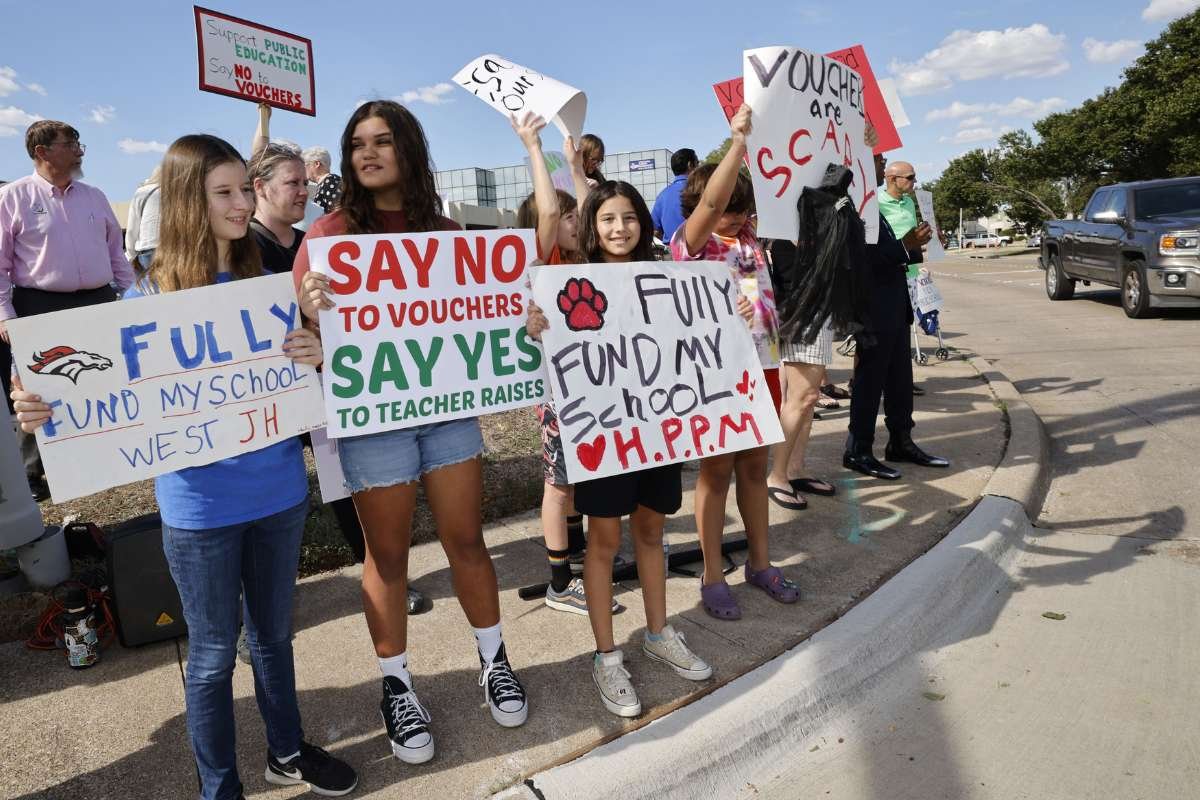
{"points": [[281, 192]]}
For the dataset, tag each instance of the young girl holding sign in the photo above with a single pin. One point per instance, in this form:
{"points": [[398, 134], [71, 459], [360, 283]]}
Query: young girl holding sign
{"points": [[717, 204], [231, 529], [617, 229], [553, 214], [388, 187]]}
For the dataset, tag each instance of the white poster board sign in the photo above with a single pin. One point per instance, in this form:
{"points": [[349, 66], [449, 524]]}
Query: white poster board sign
{"points": [[428, 327], [650, 364], [934, 250], [243, 59], [559, 169], [809, 112], [891, 98], [511, 88], [924, 293], [151, 385], [330, 477]]}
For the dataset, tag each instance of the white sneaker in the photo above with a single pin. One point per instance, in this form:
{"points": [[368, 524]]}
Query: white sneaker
{"points": [[673, 651], [407, 722], [612, 679], [574, 599]]}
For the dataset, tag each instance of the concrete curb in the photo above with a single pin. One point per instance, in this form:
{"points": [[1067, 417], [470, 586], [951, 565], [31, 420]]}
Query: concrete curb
{"points": [[716, 745]]}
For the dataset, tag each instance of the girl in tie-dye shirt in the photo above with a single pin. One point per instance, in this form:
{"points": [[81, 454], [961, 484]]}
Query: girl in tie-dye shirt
{"points": [[717, 204]]}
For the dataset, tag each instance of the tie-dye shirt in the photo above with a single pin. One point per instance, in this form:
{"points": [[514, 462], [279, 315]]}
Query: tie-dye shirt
{"points": [[748, 264]]}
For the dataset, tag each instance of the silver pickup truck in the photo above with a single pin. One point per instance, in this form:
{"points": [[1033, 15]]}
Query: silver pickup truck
{"points": [[1143, 237]]}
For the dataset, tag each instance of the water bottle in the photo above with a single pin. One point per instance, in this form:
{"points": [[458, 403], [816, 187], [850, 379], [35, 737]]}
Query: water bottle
{"points": [[79, 631]]}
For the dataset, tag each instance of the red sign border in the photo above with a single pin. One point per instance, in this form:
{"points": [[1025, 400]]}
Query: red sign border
{"points": [[312, 72]]}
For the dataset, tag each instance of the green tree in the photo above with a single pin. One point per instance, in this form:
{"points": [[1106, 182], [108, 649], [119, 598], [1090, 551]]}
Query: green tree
{"points": [[716, 155]]}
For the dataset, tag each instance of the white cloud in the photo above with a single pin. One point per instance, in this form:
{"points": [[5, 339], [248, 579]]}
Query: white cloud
{"points": [[971, 122], [8, 81], [971, 135], [135, 147], [1031, 52], [1163, 10], [1017, 107], [14, 121], [433, 95], [36, 88], [1099, 52], [102, 114]]}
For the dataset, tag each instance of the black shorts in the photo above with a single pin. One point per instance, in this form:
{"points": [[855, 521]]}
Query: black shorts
{"points": [[658, 489]]}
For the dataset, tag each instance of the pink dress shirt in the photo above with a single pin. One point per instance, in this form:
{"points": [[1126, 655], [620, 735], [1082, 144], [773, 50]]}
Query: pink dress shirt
{"points": [[57, 241]]}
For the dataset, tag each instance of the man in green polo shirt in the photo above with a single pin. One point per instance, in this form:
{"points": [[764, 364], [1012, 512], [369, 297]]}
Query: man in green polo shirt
{"points": [[898, 207]]}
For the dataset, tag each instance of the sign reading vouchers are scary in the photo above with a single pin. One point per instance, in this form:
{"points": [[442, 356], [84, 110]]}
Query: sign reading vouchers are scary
{"points": [[151, 385], [428, 327], [650, 364], [809, 112]]}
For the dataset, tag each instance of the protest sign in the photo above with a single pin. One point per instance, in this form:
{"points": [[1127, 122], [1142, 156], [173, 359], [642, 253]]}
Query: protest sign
{"points": [[891, 98], [428, 327], [559, 169], [879, 109], [923, 292], [933, 250], [330, 477], [154, 384], [511, 88], [808, 113], [650, 364], [253, 62]]}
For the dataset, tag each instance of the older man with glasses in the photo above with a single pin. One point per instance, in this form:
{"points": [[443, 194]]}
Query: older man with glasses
{"points": [[60, 247]]}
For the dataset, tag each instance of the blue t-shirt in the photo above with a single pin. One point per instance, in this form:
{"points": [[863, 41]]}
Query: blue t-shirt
{"points": [[668, 214], [240, 489]]}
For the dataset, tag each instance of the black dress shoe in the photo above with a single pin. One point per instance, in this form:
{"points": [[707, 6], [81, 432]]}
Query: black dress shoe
{"points": [[908, 451], [867, 464]]}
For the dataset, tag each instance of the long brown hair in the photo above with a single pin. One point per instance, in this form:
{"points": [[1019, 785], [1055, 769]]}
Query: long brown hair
{"points": [[592, 147], [589, 235], [186, 256], [419, 198]]}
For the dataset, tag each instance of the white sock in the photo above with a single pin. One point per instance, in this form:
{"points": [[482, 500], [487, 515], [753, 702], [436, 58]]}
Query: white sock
{"points": [[396, 667], [489, 641]]}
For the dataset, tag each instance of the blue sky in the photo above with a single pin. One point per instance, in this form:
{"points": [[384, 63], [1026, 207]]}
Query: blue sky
{"points": [[124, 73]]}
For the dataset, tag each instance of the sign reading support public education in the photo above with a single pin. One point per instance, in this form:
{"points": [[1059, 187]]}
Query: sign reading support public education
{"points": [[151, 385], [253, 62], [511, 89], [882, 102], [650, 364], [428, 327], [809, 113]]}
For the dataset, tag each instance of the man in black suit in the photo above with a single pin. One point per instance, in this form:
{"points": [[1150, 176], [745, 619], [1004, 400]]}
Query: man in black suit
{"points": [[884, 364]]}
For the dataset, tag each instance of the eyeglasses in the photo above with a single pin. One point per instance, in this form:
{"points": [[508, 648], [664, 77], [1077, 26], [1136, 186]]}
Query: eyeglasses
{"points": [[908, 177], [72, 144]]}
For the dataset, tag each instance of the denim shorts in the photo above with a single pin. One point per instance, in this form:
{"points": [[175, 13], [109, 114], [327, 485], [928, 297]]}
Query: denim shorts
{"points": [[403, 456]]}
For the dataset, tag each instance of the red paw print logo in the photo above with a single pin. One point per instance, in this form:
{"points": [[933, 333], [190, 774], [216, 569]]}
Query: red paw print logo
{"points": [[583, 305]]}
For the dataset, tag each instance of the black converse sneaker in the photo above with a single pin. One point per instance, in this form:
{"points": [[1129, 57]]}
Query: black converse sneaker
{"points": [[324, 774], [407, 722], [505, 694]]}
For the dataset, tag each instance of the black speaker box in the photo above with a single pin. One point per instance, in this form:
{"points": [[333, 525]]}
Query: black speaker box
{"points": [[145, 601]]}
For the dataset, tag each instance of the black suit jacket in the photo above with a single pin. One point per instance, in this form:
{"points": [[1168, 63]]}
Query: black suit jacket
{"points": [[888, 304]]}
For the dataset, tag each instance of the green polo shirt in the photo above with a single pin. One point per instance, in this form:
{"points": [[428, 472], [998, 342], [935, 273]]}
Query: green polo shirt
{"points": [[901, 215]]}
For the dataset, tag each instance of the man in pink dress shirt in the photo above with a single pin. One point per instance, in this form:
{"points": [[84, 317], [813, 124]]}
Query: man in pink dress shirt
{"points": [[60, 246]]}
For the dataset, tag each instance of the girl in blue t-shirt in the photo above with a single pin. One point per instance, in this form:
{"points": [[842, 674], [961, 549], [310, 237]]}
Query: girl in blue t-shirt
{"points": [[231, 529]]}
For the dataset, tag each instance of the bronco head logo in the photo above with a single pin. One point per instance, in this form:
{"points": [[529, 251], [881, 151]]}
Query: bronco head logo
{"points": [[67, 361]]}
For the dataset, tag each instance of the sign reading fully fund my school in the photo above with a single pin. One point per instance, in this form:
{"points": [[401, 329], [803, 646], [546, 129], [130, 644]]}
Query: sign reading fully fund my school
{"points": [[427, 327], [649, 364], [151, 385], [243, 59]]}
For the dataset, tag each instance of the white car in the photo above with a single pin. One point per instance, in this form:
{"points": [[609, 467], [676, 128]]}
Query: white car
{"points": [[981, 240]]}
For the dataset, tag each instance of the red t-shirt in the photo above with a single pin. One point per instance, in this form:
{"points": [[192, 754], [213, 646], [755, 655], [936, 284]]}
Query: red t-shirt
{"points": [[335, 225]]}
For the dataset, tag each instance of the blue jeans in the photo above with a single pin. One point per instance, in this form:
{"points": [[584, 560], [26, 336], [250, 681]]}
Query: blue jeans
{"points": [[213, 568]]}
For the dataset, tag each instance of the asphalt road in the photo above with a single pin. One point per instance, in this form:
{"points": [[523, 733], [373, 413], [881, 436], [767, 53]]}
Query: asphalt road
{"points": [[1100, 704]]}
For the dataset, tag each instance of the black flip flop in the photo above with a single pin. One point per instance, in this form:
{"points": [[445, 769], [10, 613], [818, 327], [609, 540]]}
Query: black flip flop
{"points": [[791, 503], [813, 486], [835, 391]]}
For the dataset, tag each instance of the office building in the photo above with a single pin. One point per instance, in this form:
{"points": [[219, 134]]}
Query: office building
{"points": [[507, 187]]}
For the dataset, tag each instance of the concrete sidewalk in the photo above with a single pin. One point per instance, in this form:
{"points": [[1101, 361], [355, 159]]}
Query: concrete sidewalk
{"points": [[118, 729]]}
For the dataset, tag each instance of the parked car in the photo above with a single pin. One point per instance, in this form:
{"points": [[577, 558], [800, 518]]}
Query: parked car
{"points": [[952, 243], [981, 240], [1143, 237], [1005, 239], [1034, 241]]}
